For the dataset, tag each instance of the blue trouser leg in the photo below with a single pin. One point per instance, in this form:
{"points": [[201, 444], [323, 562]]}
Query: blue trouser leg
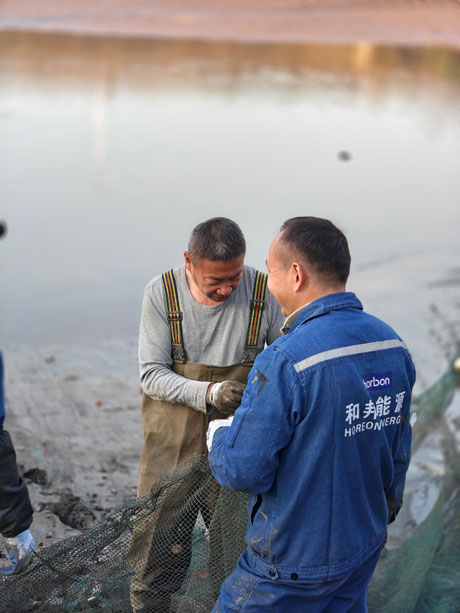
{"points": [[250, 591]]}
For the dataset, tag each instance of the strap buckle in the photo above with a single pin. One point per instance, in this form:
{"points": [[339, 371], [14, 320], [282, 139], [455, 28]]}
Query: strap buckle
{"points": [[250, 353], [175, 316], [178, 353], [257, 305]]}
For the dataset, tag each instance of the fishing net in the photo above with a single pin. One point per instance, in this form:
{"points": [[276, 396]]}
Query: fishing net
{"points": [[170, 551], [183, 539], [424, 575]]}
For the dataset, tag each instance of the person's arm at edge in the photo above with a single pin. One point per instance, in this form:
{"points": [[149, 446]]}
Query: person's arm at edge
{"points": [[15, 507]]}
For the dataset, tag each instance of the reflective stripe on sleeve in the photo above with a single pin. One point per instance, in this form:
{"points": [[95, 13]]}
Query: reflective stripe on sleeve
{"points": [[345, 351]]}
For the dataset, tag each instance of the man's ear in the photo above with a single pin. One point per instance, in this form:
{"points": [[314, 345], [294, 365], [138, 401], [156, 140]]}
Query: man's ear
{"points": [[300, 276], [188, 261]]}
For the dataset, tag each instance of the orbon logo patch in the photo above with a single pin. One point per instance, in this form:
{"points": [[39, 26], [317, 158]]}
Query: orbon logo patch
{"points": [[378, 381]]}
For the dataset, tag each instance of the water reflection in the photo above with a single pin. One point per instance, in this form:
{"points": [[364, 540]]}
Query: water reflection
{"points": [[112, 149], [64, 62]]}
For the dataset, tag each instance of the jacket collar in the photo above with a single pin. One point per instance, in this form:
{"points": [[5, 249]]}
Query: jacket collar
{"points": [[290, 319], [325, 304]]}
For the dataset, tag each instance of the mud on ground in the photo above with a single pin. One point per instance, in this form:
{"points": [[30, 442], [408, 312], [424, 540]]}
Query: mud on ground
{"points": [[74, 417]]}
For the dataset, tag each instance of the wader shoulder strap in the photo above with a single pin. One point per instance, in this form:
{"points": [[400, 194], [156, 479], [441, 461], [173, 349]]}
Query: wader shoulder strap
{"points": [[174, 316], [256, 308]]}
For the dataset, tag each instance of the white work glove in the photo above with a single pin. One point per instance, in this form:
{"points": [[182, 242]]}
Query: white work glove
{"points": [[214, 426], [20, 549], [226, 396]]}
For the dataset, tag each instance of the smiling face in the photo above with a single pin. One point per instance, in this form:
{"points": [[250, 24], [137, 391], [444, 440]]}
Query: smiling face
{"points": [[213, 282]]}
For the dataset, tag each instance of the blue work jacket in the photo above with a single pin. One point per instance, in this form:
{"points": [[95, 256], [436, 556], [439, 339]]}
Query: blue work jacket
{"points": [[321, 441]]}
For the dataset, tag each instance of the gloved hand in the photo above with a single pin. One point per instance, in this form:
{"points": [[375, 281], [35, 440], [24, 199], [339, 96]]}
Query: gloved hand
{"points": [[20, 549], [214, 426], [226, 396]]}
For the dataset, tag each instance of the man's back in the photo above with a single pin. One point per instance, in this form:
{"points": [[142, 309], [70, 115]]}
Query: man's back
{"points": [[348, 377]]}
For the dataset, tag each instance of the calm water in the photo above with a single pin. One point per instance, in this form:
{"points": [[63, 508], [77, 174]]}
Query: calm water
{"points": [[112, 150]]}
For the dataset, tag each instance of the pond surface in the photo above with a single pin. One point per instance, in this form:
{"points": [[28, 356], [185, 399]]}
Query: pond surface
{"points": [[111, 150]]}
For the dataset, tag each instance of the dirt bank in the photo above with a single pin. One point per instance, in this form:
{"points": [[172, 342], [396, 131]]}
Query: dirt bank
{"points": [[74, 417], [392, 22]]}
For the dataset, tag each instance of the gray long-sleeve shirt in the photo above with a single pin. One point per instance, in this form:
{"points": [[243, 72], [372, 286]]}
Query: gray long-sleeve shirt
{"points": [[213, 335]]}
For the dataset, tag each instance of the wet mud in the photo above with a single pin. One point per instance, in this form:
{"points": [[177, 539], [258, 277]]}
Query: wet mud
{"points": [[36, 475], [72, 511]]}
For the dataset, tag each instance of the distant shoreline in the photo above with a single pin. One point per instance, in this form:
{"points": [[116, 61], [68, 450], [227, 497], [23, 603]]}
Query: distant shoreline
{"points": [[428, 23]]}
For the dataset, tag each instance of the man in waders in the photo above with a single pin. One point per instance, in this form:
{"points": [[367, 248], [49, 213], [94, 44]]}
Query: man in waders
{"points": [[202, 326]]}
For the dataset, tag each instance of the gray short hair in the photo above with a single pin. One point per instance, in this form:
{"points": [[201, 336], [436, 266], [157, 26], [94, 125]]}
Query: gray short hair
{"points": [[218, 239]]}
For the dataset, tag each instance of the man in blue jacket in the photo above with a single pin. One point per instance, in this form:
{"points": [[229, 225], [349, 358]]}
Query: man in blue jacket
{"points": [[321, 440]]}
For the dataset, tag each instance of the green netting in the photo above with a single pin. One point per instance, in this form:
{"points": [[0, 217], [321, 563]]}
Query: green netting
{"points": [[430, 406], [171, 550], [424, 575]]}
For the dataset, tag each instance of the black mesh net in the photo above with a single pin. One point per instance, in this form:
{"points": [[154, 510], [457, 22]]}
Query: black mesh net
{"points": [[169, 551]]}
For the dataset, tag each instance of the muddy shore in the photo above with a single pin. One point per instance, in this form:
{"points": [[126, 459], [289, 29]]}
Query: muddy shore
{"points": [[74, 417], [388, 22]]}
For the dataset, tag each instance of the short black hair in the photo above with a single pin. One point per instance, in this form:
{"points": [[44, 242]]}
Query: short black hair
{"points": [[320, 244], [218, 239]]}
